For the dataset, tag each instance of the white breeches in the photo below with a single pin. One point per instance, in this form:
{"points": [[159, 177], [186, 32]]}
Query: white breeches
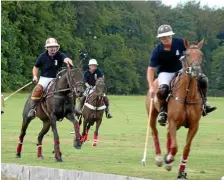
{"points": [[165, 78], [44, 81]]}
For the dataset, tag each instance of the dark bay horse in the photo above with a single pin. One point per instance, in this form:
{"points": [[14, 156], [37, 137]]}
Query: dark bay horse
{"points": [[184, 108], [93, 110], [56, 103]]}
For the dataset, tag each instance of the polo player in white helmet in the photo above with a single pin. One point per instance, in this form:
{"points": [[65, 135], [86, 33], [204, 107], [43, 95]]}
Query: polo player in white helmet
{"points": [[90, 81], [49, 62], [166, 58]]}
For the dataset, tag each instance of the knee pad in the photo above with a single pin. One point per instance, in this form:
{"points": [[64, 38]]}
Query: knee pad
{"points": [[37, 92], [163, 91], [203, 81]]}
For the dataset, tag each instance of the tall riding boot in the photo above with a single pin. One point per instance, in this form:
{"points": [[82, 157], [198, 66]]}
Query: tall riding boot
{"points": [[163, 115], [107, 111], [35, 99], [162, 95], [203, 88], [206, 109], [32, 112]]}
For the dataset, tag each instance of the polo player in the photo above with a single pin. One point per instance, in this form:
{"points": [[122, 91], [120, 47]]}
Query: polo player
{"points": [[49, 62], [90, 78], [166, 58]]}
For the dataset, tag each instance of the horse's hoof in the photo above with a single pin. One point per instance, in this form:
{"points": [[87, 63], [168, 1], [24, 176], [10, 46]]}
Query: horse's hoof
{"points": [[18, 155], [159, 160], [77, 144], [58, 159], [94, 144], [40, 157], [182, 175], [169, 167]]}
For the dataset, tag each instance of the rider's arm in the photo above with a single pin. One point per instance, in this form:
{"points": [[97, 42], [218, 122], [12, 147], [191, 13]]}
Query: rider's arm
{"points": [[150, 76], [86, 79], [99, 73], [35, 71], [68, 61], [65, 58]]}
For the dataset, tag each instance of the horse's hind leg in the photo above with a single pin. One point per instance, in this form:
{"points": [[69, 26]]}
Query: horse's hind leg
{"points": [[155, 136], [95, 139], [25, 124], [45, 129], [191, 133]]}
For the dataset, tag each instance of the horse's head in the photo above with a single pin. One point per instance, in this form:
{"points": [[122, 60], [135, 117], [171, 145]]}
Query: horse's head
{"points": [[193, 58], [100, 87], [76, 81]]}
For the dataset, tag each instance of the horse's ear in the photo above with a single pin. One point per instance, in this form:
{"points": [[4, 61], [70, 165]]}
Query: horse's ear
{"points": [[186, 43], [200, 44], [103, 77]]}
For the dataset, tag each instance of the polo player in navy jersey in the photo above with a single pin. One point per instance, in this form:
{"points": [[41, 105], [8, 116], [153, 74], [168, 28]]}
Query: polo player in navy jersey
{"points": [[166, 58], [49, 62], [90, 77]]}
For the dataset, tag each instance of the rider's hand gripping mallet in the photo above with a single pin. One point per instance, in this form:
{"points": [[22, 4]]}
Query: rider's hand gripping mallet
{"points": [[147, 132]]}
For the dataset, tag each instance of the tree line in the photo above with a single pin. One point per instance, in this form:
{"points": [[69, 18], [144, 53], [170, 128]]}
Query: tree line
{"points": [[120, 35]]}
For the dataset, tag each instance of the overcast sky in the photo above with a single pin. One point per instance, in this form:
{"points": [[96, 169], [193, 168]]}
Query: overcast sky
{"points": [[210, 3]]}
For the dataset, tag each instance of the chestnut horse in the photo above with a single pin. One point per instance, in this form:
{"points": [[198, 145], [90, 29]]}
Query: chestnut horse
{"points": [[184, 108]]}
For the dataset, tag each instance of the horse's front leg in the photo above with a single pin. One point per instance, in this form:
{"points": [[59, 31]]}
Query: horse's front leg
{"points": [[95, 139], [57, 152], [45, 129], [77, 139], [171, 145], [191, 133]]}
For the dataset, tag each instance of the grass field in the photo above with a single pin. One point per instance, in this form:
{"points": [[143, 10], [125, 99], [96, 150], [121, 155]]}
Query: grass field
{"points": [[121, 144]]}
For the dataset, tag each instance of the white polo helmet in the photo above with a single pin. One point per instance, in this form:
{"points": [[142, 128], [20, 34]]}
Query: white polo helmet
{"points": [[51, 42], [93, 62], [164, 30]]}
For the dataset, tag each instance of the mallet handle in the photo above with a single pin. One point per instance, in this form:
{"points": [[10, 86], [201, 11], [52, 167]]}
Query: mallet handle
{"points": [[18, 90], [147, 132]]}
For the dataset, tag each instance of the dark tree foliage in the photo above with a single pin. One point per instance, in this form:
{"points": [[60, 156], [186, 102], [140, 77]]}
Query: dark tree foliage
{"points": [[120, 35]]}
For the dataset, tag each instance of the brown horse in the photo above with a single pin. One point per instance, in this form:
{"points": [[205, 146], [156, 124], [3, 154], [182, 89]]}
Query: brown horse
{"points": [[56, 104], [93, 110], [184, 108]]}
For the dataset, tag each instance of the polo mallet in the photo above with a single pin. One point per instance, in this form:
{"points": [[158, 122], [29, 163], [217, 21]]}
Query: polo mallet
{"points": [[18, 90], [147, 133]]}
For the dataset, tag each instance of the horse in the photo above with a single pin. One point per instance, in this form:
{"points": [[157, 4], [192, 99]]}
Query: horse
{"points": [[184, 108], [93, 110], [56, 103]]}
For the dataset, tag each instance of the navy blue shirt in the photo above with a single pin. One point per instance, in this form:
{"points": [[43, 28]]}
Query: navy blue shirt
{"points": [[168, 61], [90, 77], [48, 65]]}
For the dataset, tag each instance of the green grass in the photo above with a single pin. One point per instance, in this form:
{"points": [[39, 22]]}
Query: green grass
{"points": [[121, 144]]}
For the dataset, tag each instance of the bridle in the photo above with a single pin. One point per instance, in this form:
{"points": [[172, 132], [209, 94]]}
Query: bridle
{"points": [[72, 88], [189, 71]]}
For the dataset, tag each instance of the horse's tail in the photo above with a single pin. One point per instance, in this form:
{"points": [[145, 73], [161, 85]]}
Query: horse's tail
{"points": [[27, 106]]}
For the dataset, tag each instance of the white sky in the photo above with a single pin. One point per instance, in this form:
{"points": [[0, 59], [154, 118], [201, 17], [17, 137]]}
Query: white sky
{"points": [[210, 3]]}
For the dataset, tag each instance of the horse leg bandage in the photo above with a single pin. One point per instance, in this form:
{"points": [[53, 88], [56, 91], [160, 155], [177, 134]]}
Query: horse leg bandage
{"points": [[77, 131], [39, 150], [156, 144], [20, 144], [168, 145], [183, 163]]}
